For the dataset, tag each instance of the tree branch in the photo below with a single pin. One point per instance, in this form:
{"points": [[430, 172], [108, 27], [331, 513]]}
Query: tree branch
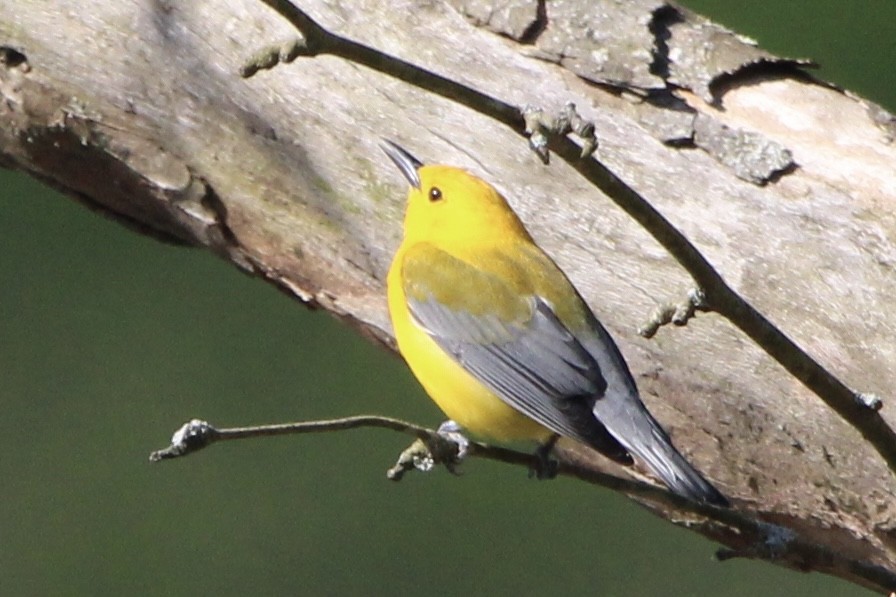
{"points": [[755, 539], [718, 295], [278, 177]]}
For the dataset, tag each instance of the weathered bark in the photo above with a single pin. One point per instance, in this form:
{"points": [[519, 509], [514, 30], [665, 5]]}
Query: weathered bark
{"points": [[137, 109]]}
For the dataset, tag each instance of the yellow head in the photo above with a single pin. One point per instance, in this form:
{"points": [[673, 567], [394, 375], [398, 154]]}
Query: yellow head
{"points": [[448, 205]]}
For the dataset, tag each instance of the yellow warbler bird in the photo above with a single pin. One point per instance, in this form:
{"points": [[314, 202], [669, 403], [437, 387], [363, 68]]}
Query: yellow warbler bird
{"points": [[502, 341]]}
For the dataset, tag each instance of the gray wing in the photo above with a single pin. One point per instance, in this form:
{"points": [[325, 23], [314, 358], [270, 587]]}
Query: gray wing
{"points": [[538, 367], [627, 420]]}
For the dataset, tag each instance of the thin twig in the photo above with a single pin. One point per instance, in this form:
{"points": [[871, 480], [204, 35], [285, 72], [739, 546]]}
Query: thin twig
{"points": [[747, 537], [719, 296], [198, 434]]}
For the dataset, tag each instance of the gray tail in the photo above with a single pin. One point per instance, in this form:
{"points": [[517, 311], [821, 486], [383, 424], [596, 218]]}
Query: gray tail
{"points": [[630, 423], [677, 473]]}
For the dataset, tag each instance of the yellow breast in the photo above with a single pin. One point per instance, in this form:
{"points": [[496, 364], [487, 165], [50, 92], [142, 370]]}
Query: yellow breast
{"points": [[460, 396]]}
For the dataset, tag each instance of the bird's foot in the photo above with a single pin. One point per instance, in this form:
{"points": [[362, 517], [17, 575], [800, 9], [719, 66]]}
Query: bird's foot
{"points": [[543, 466], [453, 448]]}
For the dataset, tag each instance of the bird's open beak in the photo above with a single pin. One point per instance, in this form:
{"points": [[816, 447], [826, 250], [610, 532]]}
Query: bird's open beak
{"points": [[407, 163]]}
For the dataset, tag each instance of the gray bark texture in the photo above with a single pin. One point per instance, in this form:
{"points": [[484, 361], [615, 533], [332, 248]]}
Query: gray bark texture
{"points": [[785, 184]]}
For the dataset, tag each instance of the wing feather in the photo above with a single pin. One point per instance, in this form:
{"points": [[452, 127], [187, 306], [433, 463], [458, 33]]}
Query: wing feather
{"points": [[507, 334], [530, 360]]}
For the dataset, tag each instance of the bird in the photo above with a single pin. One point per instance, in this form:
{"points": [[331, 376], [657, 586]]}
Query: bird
{"points": [[500, 338]]}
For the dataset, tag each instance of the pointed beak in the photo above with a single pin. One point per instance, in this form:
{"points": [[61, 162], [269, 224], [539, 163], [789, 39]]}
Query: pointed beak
{"points": [[407, 163]]}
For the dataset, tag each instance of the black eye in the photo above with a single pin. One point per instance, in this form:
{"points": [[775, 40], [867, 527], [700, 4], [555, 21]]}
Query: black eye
{"points": [[435, 194]]}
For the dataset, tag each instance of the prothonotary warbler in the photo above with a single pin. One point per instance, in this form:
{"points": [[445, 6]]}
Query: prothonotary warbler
{"points": [[502, 341]]}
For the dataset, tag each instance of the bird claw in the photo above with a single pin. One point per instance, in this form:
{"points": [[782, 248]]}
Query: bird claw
{"points": [[457, 448], [544, 467]]}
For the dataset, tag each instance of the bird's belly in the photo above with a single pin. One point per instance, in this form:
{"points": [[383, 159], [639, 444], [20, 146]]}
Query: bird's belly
{"points": [[460, 395]]}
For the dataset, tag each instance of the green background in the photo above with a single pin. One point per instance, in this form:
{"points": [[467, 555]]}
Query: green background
{"points": [[109, 341]]}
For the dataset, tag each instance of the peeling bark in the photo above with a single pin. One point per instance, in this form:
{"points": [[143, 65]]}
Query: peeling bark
{"points": [[137, 109]]}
